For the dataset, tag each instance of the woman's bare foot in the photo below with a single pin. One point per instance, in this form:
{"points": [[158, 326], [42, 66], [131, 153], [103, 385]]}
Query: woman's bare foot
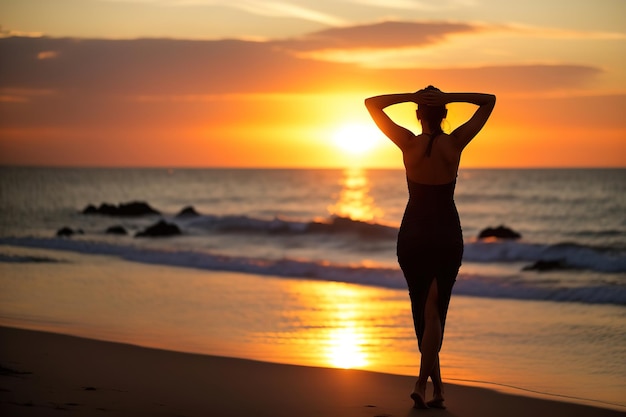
{"points": [[436, 403], [418, 395], [418, 400]]}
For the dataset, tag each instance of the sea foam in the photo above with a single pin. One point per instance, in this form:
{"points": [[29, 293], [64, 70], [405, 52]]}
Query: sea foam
{"points": [[512, 287]]}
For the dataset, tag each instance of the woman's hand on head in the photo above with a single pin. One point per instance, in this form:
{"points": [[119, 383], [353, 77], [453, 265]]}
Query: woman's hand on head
{"points": [[430, 97]]}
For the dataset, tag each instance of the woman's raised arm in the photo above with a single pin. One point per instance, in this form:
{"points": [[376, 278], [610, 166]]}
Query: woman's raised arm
{"points": [[376, 105], [468, 130], [401, 135]]}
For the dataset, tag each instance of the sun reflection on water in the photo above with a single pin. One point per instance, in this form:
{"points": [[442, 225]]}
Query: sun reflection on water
{"points": [[354, 200], [347, 337], [338, 325], [346, 348]]}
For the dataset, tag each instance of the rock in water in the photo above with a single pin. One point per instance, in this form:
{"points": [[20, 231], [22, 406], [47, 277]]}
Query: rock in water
{"points": [[500, 232], [160, 229], [116, 230], [135, 208], [131, 209], [68, 231], [188, 211]]}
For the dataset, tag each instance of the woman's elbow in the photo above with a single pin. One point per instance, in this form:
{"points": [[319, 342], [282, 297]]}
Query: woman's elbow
{"points": [[489, 101]]}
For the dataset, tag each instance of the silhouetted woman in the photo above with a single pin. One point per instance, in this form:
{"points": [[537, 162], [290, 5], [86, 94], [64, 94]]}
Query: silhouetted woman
{"points": [[430, 242]]}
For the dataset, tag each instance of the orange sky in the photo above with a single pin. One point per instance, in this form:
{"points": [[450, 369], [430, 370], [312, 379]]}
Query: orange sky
{"points": [[278, 84]]}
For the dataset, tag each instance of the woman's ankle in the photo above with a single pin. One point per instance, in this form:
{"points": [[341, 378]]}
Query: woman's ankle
{"points": [[420, 385]]}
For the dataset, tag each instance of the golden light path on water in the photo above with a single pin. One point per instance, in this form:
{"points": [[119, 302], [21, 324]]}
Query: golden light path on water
{"points": [[354, 201], [346, 350], [341, 326], [346, 341]]}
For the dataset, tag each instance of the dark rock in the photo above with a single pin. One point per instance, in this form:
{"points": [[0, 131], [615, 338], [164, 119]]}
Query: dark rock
{"points": [[346, 225], [67, 232], [106, 208], [188, 211], [135, 208], [160, 229], [500, 232], [116, 230], [90, 209], [132, 209], [542, 265], [336, 225]]}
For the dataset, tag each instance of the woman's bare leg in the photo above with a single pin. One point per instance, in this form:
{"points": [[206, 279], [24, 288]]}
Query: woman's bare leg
{"points": [[435, 376], [438, 394], [430, 347]]}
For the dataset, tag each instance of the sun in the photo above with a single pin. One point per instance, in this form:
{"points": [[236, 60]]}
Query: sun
{"points": [[356, 138]]}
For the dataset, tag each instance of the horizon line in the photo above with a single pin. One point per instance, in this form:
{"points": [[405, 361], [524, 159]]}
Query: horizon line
{"points": [[192, 167]]}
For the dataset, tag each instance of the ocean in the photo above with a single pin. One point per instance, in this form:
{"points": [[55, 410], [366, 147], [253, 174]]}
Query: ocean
{"points": [[299, 266]]}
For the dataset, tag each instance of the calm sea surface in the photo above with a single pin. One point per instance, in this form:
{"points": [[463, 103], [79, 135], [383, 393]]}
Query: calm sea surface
{"points": [[312, 252]]}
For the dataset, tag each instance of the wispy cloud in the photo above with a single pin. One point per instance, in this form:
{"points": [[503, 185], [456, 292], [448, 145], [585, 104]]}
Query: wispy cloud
{"points": [[390, 34], [271, 8], [47, 55], [559, 33], [286, 9], [7, 33], [423, 5]]}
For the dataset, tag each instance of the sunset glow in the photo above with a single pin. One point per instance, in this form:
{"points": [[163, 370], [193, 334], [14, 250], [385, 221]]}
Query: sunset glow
{"points": [[109, 83], [356, 138]]}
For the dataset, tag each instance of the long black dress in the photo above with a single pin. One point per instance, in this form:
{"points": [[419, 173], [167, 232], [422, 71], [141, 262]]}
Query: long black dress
{"points": [[430, 246]]}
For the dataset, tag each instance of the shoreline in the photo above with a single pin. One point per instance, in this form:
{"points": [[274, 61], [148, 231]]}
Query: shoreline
{"points": [[347, 326], [44, 374]]}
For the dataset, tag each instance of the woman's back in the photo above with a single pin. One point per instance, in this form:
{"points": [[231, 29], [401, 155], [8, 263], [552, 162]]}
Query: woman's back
{"points": [[439, 166]]}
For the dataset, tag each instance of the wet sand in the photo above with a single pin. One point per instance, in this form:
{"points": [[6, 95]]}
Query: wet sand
{"points": [[46, 374]]}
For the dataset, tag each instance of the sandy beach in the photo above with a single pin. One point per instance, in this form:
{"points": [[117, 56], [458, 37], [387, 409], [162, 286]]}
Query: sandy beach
{"points": [[46, 374]]}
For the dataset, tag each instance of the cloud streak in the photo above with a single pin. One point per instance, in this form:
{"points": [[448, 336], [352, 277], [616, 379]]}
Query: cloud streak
{"points": [[416, 4], [285, 9], [175, 67], [389, 34]]}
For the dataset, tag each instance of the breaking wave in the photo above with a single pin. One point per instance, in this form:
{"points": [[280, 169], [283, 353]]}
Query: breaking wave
{"points": [[512, 287]]}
